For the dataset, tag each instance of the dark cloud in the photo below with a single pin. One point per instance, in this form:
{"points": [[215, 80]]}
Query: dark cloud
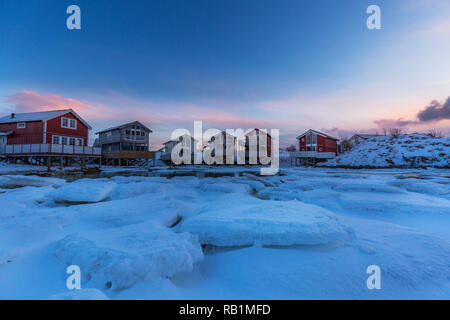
{"points": [[435, 111]]}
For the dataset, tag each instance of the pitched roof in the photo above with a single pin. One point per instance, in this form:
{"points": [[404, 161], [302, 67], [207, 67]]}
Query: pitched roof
{"points": [[40, 116], [125, 125], [319, 133]]}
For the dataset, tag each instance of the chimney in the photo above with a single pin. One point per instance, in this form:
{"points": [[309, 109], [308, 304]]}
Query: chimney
{"points": [[12, 115]]}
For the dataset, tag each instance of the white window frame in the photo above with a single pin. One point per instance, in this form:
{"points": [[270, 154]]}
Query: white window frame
{"points": [[56, 136], [21, 125], [62, 140], [74, 141], [68, 123]]}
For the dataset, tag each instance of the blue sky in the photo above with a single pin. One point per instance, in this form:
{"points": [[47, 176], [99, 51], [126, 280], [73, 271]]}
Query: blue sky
{"points": [[279, 64]]}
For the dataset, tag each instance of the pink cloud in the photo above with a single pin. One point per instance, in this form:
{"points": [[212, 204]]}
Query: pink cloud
{"points": [[123, 108], [33, 101]]}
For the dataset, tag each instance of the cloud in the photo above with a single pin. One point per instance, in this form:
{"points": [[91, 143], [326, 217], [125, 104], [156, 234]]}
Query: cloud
{"points": [[121, 108], [435, 111], [339, 133], [390, 123], [33, 101]]}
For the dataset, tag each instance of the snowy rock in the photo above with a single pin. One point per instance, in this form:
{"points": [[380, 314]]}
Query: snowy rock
{"points": [[83, 191], [118, 259], [17, 181], [268, 223]]}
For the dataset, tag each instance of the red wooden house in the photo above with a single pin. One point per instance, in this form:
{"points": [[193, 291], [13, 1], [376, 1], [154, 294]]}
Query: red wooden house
{"points": [[314, 146], [316, 141], [58, 132]]}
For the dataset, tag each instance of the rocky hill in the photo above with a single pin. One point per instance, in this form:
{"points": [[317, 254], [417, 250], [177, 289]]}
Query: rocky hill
{"points": [[407, 150]]}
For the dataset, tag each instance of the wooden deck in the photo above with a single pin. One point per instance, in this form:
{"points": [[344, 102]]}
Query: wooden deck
{"points": [[128, 154]]}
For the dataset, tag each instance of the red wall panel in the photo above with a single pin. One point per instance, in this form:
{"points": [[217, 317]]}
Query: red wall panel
{"points": [[54, 127], [32, 133]]}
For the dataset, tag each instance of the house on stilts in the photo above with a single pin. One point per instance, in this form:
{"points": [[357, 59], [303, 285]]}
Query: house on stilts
{"points": [[126, 144], [46, 137], [314, 146]]}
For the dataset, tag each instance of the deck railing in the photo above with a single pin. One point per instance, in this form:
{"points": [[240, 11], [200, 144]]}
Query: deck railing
{"points": [[313, 154], [46, 148]]}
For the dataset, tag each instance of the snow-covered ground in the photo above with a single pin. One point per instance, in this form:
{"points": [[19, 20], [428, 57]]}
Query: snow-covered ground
{"points": [[407, 150], [308, 233]]}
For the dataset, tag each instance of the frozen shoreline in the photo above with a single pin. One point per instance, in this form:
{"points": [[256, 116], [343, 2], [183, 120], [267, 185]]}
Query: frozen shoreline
{"points": [[279, 237]]}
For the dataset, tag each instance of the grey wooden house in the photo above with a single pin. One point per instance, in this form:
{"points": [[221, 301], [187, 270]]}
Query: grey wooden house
{"points": [[125, 144]]}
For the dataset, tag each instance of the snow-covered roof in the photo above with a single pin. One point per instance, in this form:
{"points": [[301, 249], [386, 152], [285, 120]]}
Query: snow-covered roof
{"points": [[5, 133], [125, 125], [40, 116], [319, 133]]}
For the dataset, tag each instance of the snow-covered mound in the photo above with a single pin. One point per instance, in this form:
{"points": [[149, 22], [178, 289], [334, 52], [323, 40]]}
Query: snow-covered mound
{"points": [[119, 259], [407, 150], [83, 191], [267, 223], [17, 181]]}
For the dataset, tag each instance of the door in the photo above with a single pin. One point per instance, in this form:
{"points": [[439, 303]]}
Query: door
{"points": [[3, 140]]}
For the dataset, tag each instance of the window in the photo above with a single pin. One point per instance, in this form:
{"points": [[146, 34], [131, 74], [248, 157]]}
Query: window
{"points": [[311, 138], [21, 125], [79, 142], [143, 134], [132, 132], [72, 141], [127, 131], [55, 140], [108, 134], [68, 123], [63, 140]]}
